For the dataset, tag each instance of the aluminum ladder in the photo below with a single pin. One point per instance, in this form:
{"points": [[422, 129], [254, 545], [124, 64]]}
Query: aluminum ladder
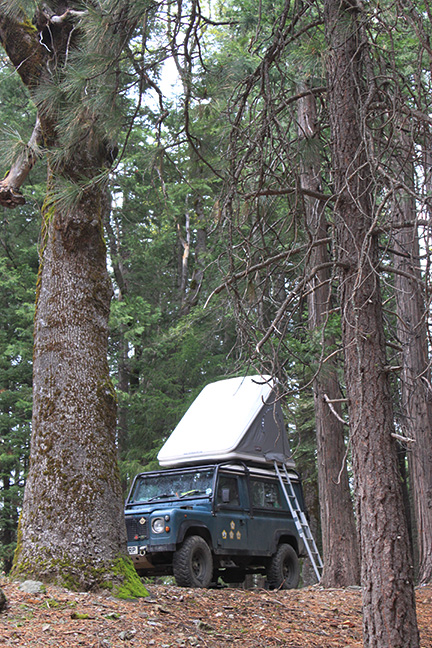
{"points": [[300, 520]]}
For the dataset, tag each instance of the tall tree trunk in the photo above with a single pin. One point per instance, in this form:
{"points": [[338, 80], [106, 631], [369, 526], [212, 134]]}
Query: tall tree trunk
{"points": [[416, 377], [72, 511], [389, 618], [71, 529], [305, 458], [339, 536]]}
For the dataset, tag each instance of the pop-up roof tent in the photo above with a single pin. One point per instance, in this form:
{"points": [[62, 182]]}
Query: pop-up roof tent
{"points": [[233, 419]]}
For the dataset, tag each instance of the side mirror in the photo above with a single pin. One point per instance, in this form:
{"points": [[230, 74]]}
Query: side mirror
{"points": [[225, 495]]}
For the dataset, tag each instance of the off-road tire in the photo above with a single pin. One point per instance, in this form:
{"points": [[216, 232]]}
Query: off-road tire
{"points": [[193, 563], [284, 569]]}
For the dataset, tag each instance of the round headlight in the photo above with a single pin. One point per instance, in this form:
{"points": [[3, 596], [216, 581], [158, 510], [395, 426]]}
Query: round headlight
{"points": [[158, 525]]}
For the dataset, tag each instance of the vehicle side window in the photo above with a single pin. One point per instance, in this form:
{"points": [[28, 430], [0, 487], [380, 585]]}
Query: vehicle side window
{"points": [[265, 494], [227, 491]]}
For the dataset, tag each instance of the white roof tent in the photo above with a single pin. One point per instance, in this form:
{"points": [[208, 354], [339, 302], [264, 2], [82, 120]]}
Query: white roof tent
{"points": [[234, 419]]}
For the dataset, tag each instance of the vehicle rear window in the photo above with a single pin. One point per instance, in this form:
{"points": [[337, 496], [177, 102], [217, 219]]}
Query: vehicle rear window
{"points": [[266, 494]]}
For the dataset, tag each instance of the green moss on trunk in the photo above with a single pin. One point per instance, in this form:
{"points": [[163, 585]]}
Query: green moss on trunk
{"points": [[120, 578], [131, 587]]}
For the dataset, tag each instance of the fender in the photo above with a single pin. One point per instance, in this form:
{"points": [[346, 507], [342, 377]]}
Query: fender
{"points": [[285, 533], [195, 524]]}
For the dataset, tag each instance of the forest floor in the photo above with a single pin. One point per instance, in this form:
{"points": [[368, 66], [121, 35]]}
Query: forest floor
{"points": [[173, 617]]}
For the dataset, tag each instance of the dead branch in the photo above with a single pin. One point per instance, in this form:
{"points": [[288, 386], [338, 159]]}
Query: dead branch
{"points": [[286, 191], [263, 264], [333, 411], [68, 13], [402, 438], [292, 295], [402, 273], [384, 229], [10, 195]]}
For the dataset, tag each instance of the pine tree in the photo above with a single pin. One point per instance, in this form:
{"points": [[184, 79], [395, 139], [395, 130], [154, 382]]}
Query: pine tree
{"points": [[388, 594], [71, 528]]}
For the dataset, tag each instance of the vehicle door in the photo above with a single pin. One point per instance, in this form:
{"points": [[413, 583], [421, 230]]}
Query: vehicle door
{"points": [[230, 530], [270, 517]]}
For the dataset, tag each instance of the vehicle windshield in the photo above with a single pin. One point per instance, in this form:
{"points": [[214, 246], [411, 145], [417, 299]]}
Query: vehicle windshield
{"points": [[167, 485]]}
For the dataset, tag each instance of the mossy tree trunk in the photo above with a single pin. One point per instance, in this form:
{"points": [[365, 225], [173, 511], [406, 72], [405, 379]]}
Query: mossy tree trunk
{"points": [[71, 529], [72, 516]]}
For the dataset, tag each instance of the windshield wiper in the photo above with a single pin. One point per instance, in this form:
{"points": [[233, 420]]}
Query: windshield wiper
{"points": [[156, 497], [195, 491]]}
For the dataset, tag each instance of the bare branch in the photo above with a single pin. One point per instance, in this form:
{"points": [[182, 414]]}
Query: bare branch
{"points": [[397, 271], [288, 301], [10, 195], [333, 411], [285, 191], [69, 12], [263, 264], [402, 438]]}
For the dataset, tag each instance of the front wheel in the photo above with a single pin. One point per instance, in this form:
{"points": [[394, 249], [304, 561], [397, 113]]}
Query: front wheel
{"points": [[193, 563], [284, 569]]}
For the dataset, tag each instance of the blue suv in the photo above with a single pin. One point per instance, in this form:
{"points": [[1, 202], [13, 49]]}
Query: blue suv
{"points": [[224, 520]]}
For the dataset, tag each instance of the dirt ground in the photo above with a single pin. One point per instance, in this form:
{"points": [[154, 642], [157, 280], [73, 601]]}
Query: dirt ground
{"points": [[173, 617]]}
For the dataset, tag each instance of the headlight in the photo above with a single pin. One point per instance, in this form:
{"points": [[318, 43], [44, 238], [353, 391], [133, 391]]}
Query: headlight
{"points": [[158, 525]]}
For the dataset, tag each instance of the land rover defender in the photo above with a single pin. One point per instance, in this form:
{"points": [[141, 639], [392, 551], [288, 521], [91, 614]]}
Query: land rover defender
{"points": [[200, 523], [230, 501]]}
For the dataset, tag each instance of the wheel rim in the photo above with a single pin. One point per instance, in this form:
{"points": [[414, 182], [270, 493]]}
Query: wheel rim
{"points": [[198, 564], [286, 570]]}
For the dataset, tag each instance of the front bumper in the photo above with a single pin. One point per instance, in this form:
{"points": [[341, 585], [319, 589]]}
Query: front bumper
{"points": [[150, 557]]}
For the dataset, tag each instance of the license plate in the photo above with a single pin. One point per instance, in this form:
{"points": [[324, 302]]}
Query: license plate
{"points": [[133, 550]]}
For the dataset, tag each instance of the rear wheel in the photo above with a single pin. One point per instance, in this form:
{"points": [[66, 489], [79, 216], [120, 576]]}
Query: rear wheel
{"points": [[193, 563], [284, 569]]}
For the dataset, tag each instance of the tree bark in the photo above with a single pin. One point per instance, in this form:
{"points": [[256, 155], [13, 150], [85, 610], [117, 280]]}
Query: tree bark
{"points": [[3, 600], [389, 617], [416, 391], [339, 536], [72, 528], [72, 514]]}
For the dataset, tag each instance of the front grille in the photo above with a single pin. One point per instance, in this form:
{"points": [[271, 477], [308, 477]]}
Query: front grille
{"points": [[137, 528]]}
